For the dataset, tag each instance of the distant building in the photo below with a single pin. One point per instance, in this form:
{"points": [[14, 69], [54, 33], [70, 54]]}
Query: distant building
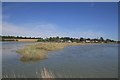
{"points": [[69, 41], [61, 40], [96, 41], [87, 41]]}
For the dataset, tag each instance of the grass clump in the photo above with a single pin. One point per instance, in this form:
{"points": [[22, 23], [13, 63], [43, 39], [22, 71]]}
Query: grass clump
{"points": [[39, 51], [31, 53]]}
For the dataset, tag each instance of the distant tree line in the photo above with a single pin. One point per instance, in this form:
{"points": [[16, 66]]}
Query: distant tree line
{"points": [[17, 37], [78, 40], [60, 39], [13, 38]]}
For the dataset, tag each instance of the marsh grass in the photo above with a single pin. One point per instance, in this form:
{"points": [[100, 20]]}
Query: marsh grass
{"points": [[12, 75], [47, 74], [39, 51], [44, 74]]}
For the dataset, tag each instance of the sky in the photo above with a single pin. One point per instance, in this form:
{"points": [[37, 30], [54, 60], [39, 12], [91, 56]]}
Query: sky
{"points": [[70, 19]]}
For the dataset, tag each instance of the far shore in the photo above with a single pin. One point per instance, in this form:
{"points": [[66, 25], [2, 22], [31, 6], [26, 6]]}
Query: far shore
{"points": [[21, 40]]}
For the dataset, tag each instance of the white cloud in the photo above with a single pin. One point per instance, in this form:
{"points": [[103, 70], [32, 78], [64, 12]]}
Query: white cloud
{"points": [[41, 30], [46, 30], [93, 34]]}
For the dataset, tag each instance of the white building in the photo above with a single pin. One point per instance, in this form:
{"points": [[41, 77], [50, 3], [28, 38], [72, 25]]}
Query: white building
{"points": [[69, 41], [87, 41]]}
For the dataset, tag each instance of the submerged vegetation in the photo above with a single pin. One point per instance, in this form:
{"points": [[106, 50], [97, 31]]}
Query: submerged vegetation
{"points": [[39, 51]]}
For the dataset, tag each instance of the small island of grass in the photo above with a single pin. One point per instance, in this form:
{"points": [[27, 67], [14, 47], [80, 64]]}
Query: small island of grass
{"points": [[39, 51]]}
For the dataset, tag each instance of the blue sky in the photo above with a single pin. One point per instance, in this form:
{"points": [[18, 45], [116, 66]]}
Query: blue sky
{"points": [[73, 19]]}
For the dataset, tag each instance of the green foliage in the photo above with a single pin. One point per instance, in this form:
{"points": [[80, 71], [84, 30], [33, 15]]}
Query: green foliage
{"points": [[58, 39], [18, 37]]}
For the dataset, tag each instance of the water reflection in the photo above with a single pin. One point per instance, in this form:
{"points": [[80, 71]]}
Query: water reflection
{"points": [[31, 59]]}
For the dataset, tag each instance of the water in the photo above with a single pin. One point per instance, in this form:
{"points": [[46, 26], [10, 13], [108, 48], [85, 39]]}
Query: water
{"points": [[86, 61]]}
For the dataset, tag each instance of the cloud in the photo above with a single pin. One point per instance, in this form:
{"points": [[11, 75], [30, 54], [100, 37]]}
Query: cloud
{"points": [[93, 34], [41, 30], [46, 30], [10, 29]]}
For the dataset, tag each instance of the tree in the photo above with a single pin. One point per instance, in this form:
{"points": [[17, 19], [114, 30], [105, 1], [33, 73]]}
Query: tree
{"points": [[40, 40], [88, 39], [107, 40], [101, 39], [50, 39], [82, 39]]}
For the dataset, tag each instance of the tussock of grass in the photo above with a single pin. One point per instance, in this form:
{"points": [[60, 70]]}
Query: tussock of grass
{"points": [[44, 74], [39, 51], [47, 74]]}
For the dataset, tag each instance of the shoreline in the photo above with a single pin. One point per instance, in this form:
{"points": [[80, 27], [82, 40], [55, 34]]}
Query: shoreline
{"points": [[63, 42]]}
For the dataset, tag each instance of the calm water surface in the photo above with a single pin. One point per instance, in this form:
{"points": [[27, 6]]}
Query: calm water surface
{"points": [[86, 61]]}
